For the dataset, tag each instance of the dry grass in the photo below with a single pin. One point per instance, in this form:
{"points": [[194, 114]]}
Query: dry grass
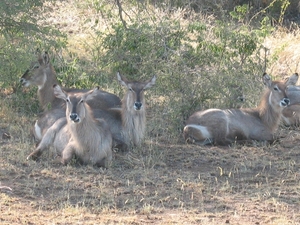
{"points": [[190, 184], [284, 45], [164, 181]]}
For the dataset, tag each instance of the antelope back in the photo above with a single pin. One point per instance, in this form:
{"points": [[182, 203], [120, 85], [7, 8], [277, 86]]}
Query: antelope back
{"points": [[293, 93], [291, 114], [39, 72]]}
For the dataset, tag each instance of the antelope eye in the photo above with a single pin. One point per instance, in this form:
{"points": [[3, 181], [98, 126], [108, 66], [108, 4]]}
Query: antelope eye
{"points": [[67, 100], [130, 89], [81, 101], [276, 88]]}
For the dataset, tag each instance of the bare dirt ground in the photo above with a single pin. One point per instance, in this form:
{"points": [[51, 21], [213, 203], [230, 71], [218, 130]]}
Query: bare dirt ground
{"points": [[160, 183]]}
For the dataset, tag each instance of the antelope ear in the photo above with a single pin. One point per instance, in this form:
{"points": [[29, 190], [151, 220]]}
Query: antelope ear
{"points": [[91, 94], [46, 58], [150, 83], [37, 52], [59, 93], [267, 80], [40, 59], [122, 80], [292, 80]]}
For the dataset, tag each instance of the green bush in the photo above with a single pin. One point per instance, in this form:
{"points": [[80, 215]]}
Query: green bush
{"points": [[21, 33], [199, 63]]}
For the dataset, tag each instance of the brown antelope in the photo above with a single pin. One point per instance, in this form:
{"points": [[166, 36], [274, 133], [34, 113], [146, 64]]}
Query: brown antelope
{"points": [[42, 74], [133, 112], [223, 127], [291, 114], [83, 136], [127, 125]]}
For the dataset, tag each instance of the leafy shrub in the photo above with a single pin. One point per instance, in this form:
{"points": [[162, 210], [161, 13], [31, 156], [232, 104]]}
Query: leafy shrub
{"points": [[21, 33], [200, 63]]}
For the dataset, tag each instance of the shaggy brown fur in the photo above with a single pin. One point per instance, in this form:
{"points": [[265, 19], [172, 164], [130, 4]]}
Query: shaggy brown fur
{"points": [[127, 124], [134, 110], [83, 136]]}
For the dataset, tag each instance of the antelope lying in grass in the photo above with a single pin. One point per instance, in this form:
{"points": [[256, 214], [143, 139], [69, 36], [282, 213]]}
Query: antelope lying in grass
{"points": [[127, 125], [291, 114], [42, 75], [222, 127], [83, 136], [133, 112]]}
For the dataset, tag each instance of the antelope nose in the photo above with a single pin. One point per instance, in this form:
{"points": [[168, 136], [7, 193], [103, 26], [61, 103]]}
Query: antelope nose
{"points": [[22, 79], [74, 117], [287, 101], [137, 105]]}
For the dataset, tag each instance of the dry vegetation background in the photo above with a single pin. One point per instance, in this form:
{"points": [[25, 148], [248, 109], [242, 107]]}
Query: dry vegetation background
{"points": [[164, 181]]}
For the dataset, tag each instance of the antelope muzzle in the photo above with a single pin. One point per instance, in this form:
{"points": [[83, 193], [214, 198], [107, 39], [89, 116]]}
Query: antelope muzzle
{"points": [[23, 80], [138, 106], [284, 102], [74, 117]]}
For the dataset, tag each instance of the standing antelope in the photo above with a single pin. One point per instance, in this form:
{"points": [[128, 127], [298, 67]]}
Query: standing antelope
{"points": [[127, 125], [90, 139], [291, 114], [42, 75], [222, 127]]}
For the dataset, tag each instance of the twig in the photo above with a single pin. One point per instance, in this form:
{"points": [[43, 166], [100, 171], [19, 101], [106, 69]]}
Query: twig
{"points": [[5, 187], [120, 14]]}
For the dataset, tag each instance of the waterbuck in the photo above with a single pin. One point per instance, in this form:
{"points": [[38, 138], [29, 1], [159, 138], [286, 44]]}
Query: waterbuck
{"points": [[133, 114], [291, 114], [127, 125], [42, 74], [223, 127], [87, 138]]}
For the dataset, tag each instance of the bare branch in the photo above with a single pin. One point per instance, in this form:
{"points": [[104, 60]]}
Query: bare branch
{"points": [[120, 14]]}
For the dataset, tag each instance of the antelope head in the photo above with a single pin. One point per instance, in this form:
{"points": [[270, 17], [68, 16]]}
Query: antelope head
{"points": [[277, 96], [36, 75], [277, 89], [76, 107], [134, 96]]}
